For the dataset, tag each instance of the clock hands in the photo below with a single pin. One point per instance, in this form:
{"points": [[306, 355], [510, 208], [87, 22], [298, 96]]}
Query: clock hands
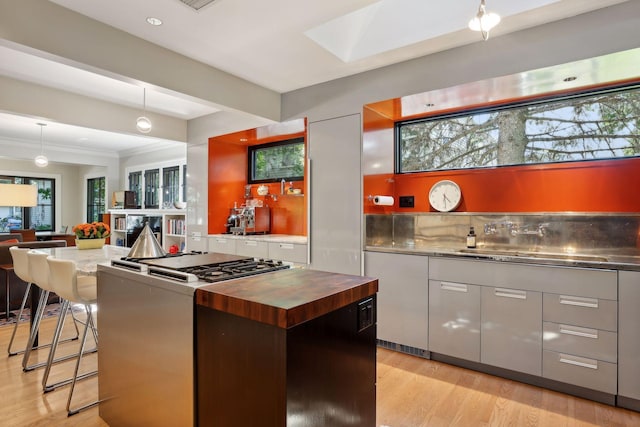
{"points": [[445, 199]]}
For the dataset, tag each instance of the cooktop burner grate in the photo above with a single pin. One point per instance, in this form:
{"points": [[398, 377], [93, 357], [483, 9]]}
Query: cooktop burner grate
{"points": [[231, 270]]}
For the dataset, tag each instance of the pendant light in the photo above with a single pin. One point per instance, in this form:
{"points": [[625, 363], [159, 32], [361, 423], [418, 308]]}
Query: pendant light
{"points": [[484, 21], [143, 124], [41, 160]]}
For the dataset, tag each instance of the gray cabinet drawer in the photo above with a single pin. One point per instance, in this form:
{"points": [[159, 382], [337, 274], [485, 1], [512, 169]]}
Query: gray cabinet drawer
{"points": [[580, 371], [222, 245], [580, 311], [253, 248], [589, 282], [512, 329], [292, 252], [454, 319], [587, 342]]}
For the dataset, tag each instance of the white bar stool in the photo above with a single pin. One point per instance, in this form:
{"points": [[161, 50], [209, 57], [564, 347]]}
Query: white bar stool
{"points": [[78, 289], [39, 274]]}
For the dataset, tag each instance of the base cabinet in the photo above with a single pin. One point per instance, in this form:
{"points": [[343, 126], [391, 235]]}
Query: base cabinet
{"points": [[454, 319], [319, 373], [511, 335], [402, 297], [629, 337], [559, 323]]}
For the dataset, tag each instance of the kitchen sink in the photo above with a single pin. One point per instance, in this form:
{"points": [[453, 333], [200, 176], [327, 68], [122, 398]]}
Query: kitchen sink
{"points": [[536, 255]]}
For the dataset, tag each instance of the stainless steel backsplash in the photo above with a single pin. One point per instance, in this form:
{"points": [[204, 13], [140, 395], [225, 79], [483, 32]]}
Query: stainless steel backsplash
{"points": [[589, 233]]}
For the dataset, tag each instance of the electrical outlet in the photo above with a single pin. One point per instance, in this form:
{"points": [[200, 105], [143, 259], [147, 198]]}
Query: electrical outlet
{"points": [[406, 201]]}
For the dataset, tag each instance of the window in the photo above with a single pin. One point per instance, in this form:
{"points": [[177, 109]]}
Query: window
{"points": [[135, 185], [158, 185], [170, 185], [586, 126], [95, 198], [151, 188], [276, 161], [40, 217]]}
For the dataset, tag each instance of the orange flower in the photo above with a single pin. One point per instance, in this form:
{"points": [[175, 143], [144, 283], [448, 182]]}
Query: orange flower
{"points": [[94, 230]]}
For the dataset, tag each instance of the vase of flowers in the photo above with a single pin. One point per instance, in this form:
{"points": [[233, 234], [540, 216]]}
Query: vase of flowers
{"points": [[91, 235]]}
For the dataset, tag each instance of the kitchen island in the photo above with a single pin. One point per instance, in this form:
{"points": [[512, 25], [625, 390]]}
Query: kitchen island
{"points": [[291, 348], [149, 334]]}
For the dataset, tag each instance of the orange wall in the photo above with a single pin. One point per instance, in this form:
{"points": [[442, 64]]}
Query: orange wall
{"points": [[228, 159], [591, 186]]}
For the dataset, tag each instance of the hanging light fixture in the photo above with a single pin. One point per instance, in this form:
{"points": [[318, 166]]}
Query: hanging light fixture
{"points": [[143, 124], [41, 160], [484, 21]]}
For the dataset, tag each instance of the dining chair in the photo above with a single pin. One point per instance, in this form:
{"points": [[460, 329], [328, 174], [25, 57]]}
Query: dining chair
{"points": [[28, 234], [75, 289]]}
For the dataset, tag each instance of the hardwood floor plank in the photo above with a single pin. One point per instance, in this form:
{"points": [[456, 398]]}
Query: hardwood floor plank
{"points": [[411, 392]]}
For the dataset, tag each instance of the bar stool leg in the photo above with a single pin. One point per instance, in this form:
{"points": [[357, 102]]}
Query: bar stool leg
{"points": [[89, 324], [15, 327]]}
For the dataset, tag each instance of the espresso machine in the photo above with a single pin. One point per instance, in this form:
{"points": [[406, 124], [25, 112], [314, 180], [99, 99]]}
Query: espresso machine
{"points": [[249, 220]]}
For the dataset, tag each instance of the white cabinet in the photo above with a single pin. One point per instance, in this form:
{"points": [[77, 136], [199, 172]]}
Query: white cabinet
{"points": [[275, 247], [403, 297], [511, 335], [629, 336], [252, 248], [222, 245], [285, 251], [334, 154], [454, 319], [560, 323]]}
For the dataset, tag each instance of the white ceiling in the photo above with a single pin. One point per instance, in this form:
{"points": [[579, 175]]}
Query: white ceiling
{"points": [[280, 44]]}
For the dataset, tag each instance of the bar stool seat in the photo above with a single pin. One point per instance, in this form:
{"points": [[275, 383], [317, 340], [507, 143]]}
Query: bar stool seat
{"points": [[21, 269], [77, 289], [39, 273]]}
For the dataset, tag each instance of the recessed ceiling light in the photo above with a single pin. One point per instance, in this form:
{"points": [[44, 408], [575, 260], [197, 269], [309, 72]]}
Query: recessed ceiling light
{"points": [[154, 21], [243, 139], [569, 79]]}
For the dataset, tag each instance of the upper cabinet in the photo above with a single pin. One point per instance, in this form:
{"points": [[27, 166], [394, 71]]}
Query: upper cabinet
{"points": [[250, 166]]}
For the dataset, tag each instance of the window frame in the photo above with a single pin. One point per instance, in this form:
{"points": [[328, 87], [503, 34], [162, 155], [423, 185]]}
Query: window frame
{"points": [[251, 160], [542, 99]]}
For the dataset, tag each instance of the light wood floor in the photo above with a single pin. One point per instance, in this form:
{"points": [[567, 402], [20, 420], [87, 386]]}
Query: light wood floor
{"points": [[412, 392]]}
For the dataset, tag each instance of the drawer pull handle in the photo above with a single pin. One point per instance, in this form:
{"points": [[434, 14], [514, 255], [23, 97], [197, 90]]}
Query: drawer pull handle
{"points": [[286, 245], [510, 293], [578, 361], [579, 332], [455, 287], [579, 301], [221, 240], [251, 243]]}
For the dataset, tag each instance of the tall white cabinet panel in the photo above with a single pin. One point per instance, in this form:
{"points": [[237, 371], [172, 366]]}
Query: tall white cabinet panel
{"points": [[512, 329], [336, 202], [629, 335], [403, 297]]}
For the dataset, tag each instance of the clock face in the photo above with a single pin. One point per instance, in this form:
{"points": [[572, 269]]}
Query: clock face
{"points": [[445, 196]]}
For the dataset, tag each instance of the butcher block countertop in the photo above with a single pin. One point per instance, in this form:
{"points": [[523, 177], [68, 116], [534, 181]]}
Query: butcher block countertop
{"points": [[286, 298]]}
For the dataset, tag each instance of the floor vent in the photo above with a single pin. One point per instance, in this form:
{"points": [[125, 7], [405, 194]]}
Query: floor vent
{"points": [[403, 348], [197, 4]]}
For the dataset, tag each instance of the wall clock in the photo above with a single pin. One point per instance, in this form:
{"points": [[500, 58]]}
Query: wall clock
{"points": [[445, 196]]}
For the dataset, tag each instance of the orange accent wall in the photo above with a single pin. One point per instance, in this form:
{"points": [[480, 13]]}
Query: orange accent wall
{"points": [[228, 158], [590, 186], [593, 186]]}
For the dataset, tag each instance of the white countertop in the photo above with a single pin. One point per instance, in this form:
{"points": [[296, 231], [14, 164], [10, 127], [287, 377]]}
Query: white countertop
{"points": [[87, 260], [276, 238]]}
